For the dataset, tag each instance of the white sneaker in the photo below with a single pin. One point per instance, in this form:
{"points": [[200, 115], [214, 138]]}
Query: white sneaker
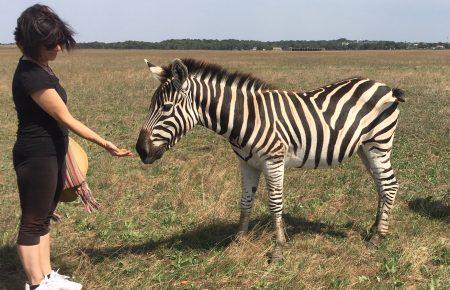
{"points": [[42, 286], [57, 281]]}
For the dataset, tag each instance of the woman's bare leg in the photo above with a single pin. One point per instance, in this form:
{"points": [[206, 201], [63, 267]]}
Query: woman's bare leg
{"points": [[31, 262], [44, 250]]}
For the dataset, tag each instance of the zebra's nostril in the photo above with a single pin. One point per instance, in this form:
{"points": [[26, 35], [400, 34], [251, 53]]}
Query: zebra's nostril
{"points": [[139, 149], [142, 146]]}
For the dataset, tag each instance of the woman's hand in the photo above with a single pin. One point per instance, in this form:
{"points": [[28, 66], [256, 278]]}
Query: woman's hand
{"points": [[114, 151]]}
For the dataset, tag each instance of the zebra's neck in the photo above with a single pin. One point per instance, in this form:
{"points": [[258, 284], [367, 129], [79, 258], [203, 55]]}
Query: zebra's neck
{"points": [[220, 104]]}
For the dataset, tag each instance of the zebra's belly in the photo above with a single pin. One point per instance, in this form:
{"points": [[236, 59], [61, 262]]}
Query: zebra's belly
{"points": [[296, 161], [293, 160]]}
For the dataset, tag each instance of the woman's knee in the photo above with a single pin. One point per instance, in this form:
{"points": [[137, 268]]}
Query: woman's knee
{"points": [[31, 229]]}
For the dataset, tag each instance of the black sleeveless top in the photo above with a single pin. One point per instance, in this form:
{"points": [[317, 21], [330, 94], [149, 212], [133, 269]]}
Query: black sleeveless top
{"points": [[38, 134]]}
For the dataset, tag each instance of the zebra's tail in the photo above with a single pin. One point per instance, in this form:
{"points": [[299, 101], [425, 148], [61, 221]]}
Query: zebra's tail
{"points": [[398, 94]]}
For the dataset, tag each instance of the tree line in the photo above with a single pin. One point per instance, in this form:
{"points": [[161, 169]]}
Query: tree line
{"points": [[234, 44]]}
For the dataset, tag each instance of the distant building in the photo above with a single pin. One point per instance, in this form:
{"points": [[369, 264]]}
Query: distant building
{"points": [[307, 48], [276, 48], [255, 48]]}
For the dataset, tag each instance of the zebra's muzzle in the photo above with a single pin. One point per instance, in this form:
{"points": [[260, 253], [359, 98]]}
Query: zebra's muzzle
{"points": [[154, 154], [147, 151]]}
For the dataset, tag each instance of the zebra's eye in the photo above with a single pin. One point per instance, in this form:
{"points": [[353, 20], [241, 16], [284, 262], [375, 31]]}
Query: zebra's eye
{"points": [[166, 107]]}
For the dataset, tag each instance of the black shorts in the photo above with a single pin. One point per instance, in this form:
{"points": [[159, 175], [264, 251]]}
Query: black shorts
{"points": [[40, 180]]}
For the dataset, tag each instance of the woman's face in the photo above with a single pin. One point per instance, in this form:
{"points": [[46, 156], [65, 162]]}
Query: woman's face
{"points": [[49, 54]]}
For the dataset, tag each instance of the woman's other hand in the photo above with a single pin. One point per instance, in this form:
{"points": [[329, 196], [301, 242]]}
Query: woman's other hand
{"points": [[114, 151]]}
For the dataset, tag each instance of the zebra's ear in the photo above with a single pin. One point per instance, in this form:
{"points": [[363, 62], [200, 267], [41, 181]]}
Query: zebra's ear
{"points": [[158, 72], [179, 73]]}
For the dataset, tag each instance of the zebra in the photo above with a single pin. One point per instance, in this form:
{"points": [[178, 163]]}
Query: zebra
{"points": [[270, 129]]}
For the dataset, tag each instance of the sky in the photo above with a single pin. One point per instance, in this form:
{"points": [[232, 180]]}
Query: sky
{"points": [[265, 20]]}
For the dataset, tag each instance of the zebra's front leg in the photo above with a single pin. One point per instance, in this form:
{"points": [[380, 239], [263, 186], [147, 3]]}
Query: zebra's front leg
{"points": [[250, 179], [274, 174]]}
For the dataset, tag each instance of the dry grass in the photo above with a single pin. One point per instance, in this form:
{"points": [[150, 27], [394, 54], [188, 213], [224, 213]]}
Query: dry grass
{"points": [[169, 225]]}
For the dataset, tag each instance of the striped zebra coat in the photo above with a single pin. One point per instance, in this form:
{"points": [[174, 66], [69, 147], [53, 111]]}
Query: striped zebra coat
{"points": [[271, 129]]}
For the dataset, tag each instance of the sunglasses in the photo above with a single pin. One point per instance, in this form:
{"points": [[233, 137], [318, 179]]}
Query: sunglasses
{"points": [[51, 46]]}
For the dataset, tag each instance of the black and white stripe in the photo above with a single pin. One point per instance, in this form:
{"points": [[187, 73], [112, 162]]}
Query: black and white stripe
{"points": [[271, 129]]}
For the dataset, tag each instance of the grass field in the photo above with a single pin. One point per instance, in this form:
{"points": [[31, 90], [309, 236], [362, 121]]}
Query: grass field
{"points": [[171, 224]]}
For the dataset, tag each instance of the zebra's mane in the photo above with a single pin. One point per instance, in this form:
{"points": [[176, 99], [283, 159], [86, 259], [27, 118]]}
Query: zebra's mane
{"points": [[197, 66]]}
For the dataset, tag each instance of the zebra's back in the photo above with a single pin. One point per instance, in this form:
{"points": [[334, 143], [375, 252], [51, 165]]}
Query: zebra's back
{"points": [[324, 126]]}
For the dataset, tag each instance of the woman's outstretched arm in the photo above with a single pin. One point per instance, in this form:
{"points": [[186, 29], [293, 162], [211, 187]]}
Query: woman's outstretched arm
{"points": [[51, 102]]}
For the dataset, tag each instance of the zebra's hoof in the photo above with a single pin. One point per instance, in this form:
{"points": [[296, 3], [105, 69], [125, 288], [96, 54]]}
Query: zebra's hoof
{"points": [[276, 255], [240, 235], [375, 241]]}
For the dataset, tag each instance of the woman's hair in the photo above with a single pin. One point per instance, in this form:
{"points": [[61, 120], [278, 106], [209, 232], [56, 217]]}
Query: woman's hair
{"points": [[39, 26]]}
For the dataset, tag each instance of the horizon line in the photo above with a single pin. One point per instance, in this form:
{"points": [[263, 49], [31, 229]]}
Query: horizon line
{"points": [[235, 39]]}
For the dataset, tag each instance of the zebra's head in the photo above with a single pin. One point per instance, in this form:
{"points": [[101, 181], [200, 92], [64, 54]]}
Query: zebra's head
{"points": [[171, 112]]}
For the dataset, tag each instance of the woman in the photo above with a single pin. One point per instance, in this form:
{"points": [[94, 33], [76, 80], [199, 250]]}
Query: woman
{"points": [[42, 140]]}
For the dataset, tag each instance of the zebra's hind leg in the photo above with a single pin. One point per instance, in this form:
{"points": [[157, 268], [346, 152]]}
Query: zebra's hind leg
{"points": [[250, 179], [362, 155], [379, 161], [274, 174]]}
